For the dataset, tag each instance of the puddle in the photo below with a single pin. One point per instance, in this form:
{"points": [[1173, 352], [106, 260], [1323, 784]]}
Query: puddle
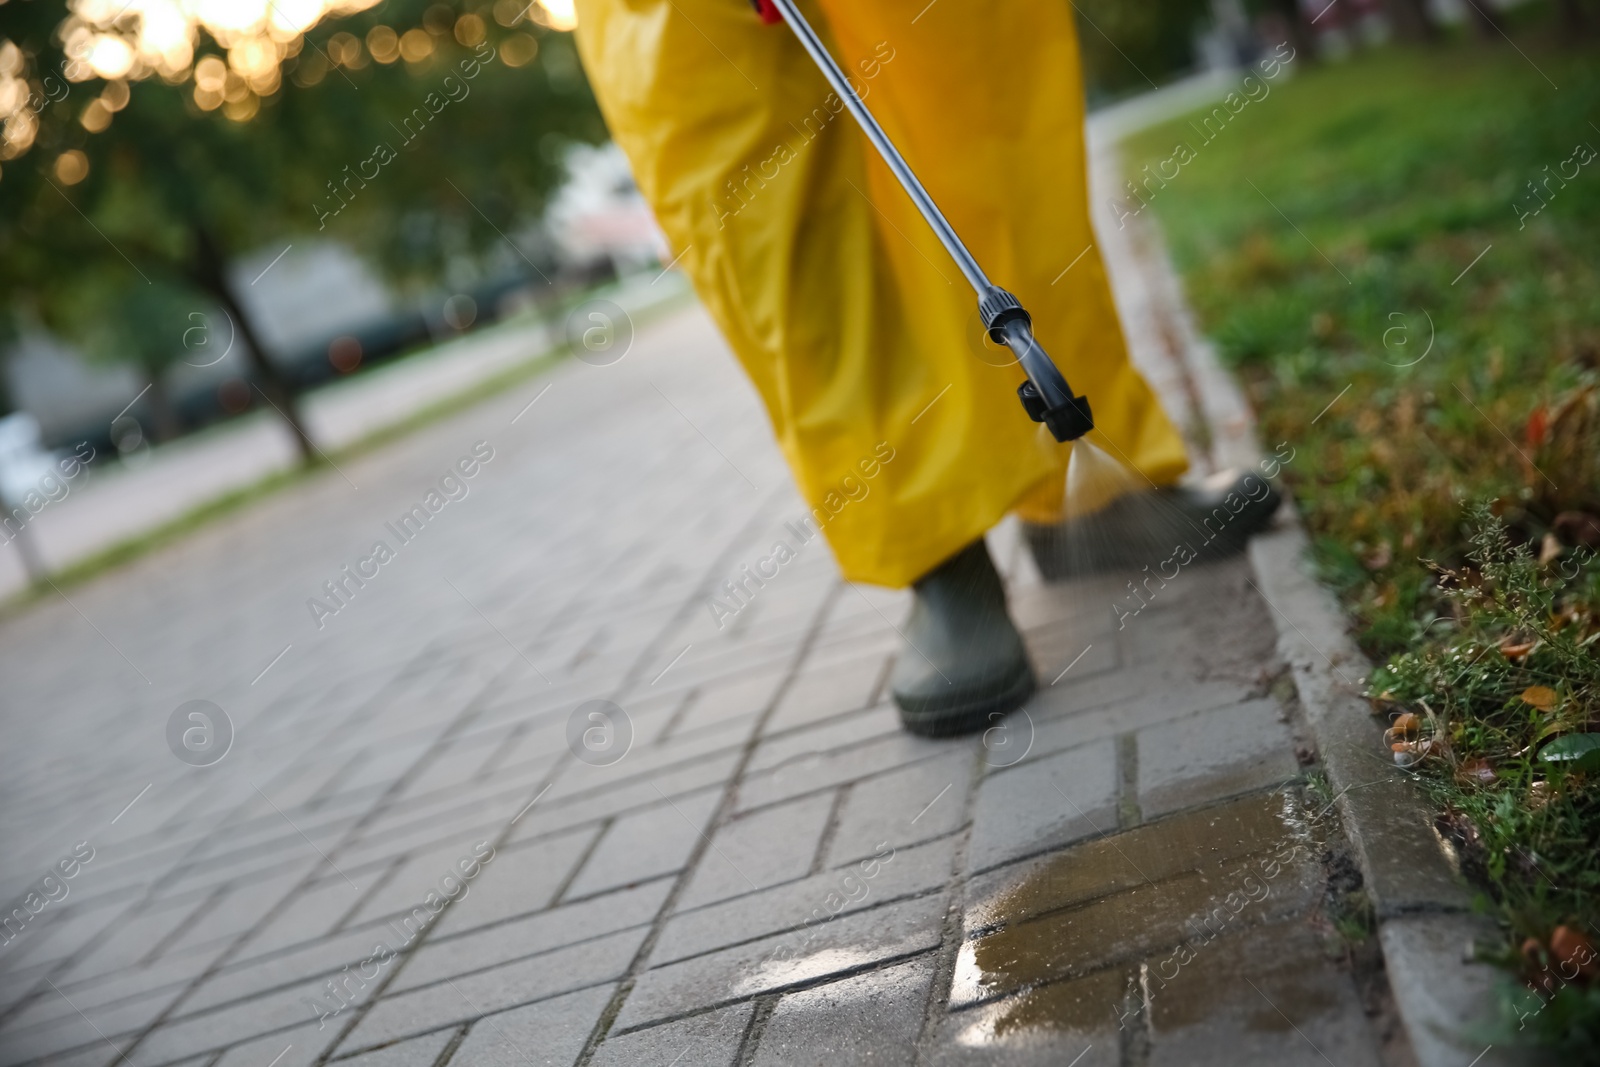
{"points": [[1198, 842], [1082, 1007], [1181, 912]]}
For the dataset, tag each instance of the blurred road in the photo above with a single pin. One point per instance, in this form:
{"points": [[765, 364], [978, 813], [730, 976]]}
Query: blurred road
{"points": [[124, 499]]}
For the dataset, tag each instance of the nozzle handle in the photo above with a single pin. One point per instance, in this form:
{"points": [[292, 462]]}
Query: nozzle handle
{"points": [[1045, 396]]}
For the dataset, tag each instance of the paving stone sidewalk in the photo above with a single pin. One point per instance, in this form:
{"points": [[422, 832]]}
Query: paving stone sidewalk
{"points": [[422, 847]]}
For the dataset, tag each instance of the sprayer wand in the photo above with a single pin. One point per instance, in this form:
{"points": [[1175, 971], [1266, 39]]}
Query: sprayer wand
{"points": [[1045, 395]]}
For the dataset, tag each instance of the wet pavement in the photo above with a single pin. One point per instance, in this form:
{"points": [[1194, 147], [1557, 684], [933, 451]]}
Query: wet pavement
{"points": [[404, 832]]}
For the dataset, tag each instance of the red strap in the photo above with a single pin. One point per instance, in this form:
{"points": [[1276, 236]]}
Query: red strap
{"points": [[769, 13]]}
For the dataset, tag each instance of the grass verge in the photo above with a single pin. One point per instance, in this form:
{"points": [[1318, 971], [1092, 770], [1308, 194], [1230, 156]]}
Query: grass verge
{"points": [[1396, 256]]}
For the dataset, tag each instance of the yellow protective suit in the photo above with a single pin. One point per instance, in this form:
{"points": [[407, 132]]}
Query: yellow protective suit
{"points": [[859, 331]]}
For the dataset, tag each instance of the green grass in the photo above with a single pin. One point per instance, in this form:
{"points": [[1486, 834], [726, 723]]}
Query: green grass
{"points": [[1319, 235]]}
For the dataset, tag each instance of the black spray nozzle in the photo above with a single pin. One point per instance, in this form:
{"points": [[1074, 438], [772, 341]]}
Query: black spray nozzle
{"points": [[1045, 396]]}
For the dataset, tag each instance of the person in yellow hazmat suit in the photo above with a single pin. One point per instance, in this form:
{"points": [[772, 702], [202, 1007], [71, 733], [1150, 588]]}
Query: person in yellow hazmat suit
{"points": [[857, 327]]}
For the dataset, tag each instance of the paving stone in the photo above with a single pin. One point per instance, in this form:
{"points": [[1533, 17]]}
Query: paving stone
{"points": [[53, 1038], [873, 1018], [1063, 722], [456, 1000], [548, 1034], [105, 1054], [710, 1039], [739, 697], [474, 819], [1044, 804], [516, 881], [132, 939], [905, 872], [1039, 606], [842, 732], [1216, 754], [458, 765], [1072, 1022], [447, 957], [1190, 638], [491, 800], [258, 835], [283, 1009], [1263, 995], [168, 977], [309, 914], [126, 1016], [298, 1047], [646, 844], [248, 976], [243, 905], [434, 871], [826, 687], [1071, 649], [418, 1052], [843, 944], [815, 771], [643, 762], [915, 803], [762, 849], [48, 938], [707, 773]]}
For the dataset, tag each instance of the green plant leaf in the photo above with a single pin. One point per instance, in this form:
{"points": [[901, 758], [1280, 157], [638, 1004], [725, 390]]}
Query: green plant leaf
{"points": [[1580, 752]]}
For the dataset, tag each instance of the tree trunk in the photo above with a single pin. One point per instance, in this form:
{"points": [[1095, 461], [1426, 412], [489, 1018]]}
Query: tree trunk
{"points": [[1484, 20], [211, 275], [162, 413], [1574, 23], [1411, 19], [19, 529], [1302, 35]]}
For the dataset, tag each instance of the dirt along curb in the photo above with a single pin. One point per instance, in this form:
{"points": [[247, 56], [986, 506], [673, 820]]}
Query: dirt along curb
{"points": [[1422, 905]]}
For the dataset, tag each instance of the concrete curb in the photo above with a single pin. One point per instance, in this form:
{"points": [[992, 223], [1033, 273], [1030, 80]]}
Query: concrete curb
{"points": [[1425, 925]]}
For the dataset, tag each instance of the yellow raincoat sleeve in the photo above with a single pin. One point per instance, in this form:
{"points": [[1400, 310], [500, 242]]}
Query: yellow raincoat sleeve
{"points": [[901, 426]]}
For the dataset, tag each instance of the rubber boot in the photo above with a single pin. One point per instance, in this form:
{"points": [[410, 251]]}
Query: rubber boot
{"points": [[1186, 525], [963, 666]]}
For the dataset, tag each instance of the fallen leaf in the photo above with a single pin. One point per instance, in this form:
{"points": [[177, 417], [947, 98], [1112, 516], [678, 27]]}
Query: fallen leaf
{"points": [[1410, 753], [1379, 559], [1570, 946], [1549, 548], [1540, 696], [1476, 772], [1513, 649], [1538, 427]]}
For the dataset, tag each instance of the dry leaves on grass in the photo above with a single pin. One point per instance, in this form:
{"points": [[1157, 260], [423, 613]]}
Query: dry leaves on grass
{"points": [[1540, 696]]}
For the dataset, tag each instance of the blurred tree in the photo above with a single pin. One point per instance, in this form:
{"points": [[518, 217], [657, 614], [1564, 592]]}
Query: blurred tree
{"points": [[125, 323], [1302, 35], [1484, 20], [1574, 22], [140, 156], [1412, 20], [1128, 47]]}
